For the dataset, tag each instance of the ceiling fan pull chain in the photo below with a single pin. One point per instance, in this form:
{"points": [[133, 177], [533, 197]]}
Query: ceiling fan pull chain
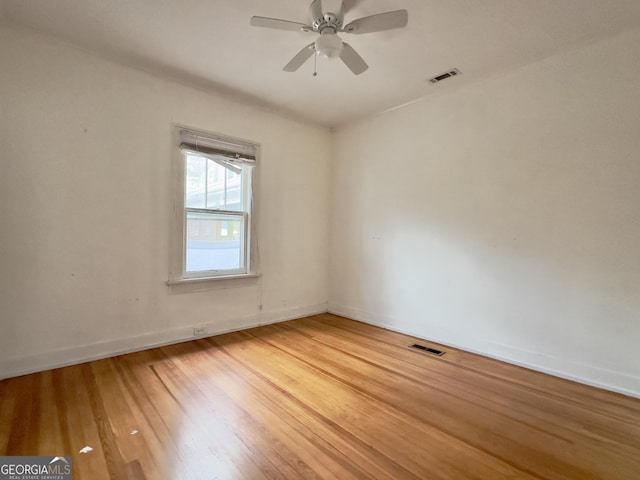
{"points": [[315, 64]]}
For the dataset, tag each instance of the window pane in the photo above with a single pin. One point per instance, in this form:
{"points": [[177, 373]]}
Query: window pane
{"points": [[214, 242], [211, 184], [195, 181]]}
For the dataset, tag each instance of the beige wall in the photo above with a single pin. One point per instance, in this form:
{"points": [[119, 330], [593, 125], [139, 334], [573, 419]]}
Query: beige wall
{"points": [[503, 217], [85, 205]]}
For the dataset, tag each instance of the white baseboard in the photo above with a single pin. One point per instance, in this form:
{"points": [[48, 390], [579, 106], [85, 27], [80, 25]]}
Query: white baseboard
{"points": [[84, 353], [587, 374]]}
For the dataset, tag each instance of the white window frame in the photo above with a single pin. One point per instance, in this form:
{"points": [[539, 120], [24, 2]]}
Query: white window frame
{"points": [[238, 152]]}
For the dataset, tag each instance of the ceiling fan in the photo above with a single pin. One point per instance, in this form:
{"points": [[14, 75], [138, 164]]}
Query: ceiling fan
{"points": [[328, 24]]}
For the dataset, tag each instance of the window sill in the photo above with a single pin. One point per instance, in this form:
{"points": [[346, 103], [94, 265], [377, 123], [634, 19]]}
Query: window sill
{"points": [[187, 285], [183, 281]]}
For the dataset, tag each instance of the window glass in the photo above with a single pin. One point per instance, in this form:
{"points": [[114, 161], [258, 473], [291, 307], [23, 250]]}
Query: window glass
{"points": [[211, 184], [214, 242]]}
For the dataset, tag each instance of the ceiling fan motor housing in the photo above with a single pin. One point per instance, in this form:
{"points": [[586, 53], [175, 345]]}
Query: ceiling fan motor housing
{"points": [[322, 20]]}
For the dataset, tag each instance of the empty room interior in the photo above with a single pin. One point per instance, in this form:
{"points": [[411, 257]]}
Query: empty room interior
{"points": [[386, 239]]}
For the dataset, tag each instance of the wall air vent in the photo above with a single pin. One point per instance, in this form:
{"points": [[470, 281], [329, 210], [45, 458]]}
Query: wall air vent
{"points": [[432, 351], [443, 76]]}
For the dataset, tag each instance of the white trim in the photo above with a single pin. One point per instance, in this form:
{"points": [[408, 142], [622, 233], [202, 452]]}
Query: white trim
{"points": [[95, 351], [618, 382], [213, 279]]}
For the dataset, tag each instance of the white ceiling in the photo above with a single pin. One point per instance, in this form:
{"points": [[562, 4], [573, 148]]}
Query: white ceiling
{"points": [[210, 43]]}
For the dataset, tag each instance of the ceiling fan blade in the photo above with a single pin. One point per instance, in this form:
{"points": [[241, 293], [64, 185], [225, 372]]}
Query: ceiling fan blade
{"points": [[319, 8], [267, 22], [352, 60], [302, 56], [349, 5], [379, 22], [315, 10]]}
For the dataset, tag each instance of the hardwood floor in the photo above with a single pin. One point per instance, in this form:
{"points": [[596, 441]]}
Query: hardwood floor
{"points": [[320, 397]]}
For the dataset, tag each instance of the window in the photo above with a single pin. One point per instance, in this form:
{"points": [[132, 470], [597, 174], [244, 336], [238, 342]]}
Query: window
{"points": [[213, 206]]}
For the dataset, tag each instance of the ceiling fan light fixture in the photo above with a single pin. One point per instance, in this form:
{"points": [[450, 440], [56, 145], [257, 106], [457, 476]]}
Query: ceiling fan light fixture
{"points": [[329, 45], [328, 23]]}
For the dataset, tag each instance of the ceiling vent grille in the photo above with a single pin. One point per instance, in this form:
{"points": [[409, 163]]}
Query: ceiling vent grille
{"points": [[443, 76]]}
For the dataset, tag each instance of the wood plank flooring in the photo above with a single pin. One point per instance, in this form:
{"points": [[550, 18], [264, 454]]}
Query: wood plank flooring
{"points": [[318, 398]]}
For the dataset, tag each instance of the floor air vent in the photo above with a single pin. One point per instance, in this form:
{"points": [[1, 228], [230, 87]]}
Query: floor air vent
{"points": [[432, 351]]}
